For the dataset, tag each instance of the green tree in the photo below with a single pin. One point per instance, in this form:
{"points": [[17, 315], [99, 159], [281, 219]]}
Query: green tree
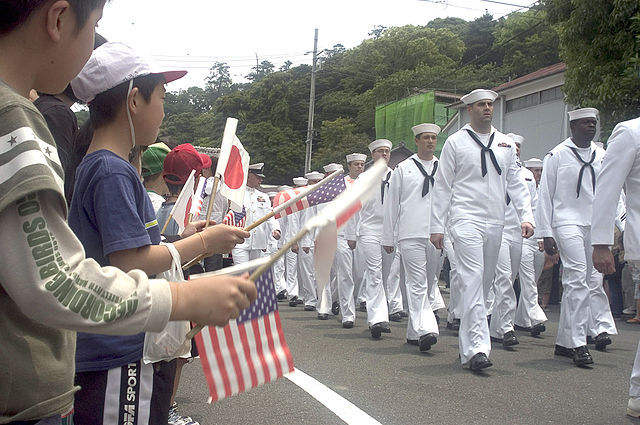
{"points": [[338, 138], [219, 81], [599, 43]]}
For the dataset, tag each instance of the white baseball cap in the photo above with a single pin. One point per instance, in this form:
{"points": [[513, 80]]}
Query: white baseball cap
{"points": [[109, 66]]}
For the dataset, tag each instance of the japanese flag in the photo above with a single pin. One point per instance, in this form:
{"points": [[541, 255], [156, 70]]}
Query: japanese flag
{"points": [[233, 166]]}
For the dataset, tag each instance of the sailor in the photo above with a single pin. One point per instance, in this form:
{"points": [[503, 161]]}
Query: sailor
{"points": [[620, 167], [279, 281], [335, 305], [477, 170], [407, 209], [257, 205], [567, 188], [345, 251], [292, 257], [369, 235], [529, 315], [504, 306]]}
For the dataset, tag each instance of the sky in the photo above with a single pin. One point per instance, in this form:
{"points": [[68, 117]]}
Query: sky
{"points": [[193, 34]]}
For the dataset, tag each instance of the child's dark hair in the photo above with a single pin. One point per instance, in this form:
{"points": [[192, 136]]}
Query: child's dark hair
{"points": [[14, 13], [106, 105], [174, 189]]}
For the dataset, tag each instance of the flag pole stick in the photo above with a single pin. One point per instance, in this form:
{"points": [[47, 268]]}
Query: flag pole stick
{"points": [[261, 269], [214, 189], [293, 200], [166, 223]]}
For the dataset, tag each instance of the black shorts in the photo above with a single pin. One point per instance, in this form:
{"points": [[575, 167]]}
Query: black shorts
{"points": [[135, 394]]}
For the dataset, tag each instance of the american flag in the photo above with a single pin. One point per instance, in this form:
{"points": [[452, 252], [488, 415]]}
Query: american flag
{"points": [[250, 350], [324, 193], [198, 197], [237, 219]]}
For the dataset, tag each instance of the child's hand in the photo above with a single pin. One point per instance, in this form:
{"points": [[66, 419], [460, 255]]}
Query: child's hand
{"points": [[221, 239], [212, 300]]}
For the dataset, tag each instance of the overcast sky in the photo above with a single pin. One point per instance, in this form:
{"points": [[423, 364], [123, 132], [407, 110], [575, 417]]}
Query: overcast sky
{"points": [[192, 34]]}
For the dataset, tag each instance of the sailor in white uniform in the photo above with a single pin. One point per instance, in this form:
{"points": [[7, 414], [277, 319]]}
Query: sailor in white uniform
{"points": [[529, 315], [407, 209], [369, 233], [504, 306], [257, 205], [477, 170], [620, 167], [345, 251], [567, 187], [292, 257], [279, 280], [335, 305]]}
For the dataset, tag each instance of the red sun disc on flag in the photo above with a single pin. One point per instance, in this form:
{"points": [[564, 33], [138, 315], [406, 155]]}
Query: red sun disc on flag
{"points": [[234, 175]]}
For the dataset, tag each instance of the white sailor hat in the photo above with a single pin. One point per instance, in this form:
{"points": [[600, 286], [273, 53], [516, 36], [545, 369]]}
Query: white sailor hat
{"points": [[356, 157], [533, 163], [478, 95], [314, 175], [516, 138], [300, 181], [257, 169], [283, 188], [330, 168], [271, 194], [583, 113], [379, 143], [425, 128]]}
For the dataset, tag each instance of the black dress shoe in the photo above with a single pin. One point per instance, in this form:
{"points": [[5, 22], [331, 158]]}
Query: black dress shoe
{"points": [[455, 325], [376, 330], [309, 308], [582, 356], [348, 324], [403, 314], [538, 329], [563, 351], [335, 308], [395, 317], [479, 362], [590, 340], [522, 328], [282, 295], [510, 339], [601, 341], [413, 342], [426, 341], [385, 327], [363, 306], [323, 316], [293, 301]]}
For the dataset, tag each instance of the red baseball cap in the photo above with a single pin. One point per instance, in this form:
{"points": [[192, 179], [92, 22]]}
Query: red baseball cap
{"points": [[206, 161], [179, 163]]}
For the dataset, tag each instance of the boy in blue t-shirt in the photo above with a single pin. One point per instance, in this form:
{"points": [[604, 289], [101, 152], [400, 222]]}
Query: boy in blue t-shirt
{"points": [[114, 219]]}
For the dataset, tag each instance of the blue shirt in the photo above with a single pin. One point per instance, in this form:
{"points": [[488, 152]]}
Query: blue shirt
{"points": [[110, 211]]}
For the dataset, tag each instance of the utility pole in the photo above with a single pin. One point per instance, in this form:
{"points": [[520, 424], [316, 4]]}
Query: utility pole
{"points": [[312, 100]]}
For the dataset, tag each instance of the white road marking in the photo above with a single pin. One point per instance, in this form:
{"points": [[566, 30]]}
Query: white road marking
{"points": [[333, 401]]}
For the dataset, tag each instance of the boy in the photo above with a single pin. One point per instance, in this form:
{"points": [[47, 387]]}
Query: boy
{"points": [[152, 163], [47, 285], [114, 219]]}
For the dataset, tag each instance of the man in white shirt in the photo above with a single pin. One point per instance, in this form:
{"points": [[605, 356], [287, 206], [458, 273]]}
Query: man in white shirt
{"points": [[407, 210], [292, 257], [369, 233], [477, 170], [504, 306], [563, 215], [257, 205], [345, 251], [620, 167], [529, 315]]}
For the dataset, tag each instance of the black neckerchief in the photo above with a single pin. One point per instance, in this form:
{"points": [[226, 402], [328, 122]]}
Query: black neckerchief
{"points": [[585, 164], [384, 183], [483, 151], [428, 178]]}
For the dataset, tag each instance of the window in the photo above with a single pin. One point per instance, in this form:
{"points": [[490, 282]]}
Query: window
{"points": [[551, 94], [522, 102]]}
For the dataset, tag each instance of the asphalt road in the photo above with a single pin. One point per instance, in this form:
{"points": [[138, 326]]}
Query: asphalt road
{"points": [[396, 384]]}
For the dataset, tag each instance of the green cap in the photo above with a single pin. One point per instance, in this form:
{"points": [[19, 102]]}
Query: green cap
{"points": [[153, 159]]}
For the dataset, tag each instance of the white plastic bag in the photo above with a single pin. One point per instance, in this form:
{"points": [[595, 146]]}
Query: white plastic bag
{"points": [[170, 342]]}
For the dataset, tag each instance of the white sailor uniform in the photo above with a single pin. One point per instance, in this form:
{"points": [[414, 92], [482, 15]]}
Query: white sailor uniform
{"points": [[471, 185], [257, 205], [564, 210]]}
